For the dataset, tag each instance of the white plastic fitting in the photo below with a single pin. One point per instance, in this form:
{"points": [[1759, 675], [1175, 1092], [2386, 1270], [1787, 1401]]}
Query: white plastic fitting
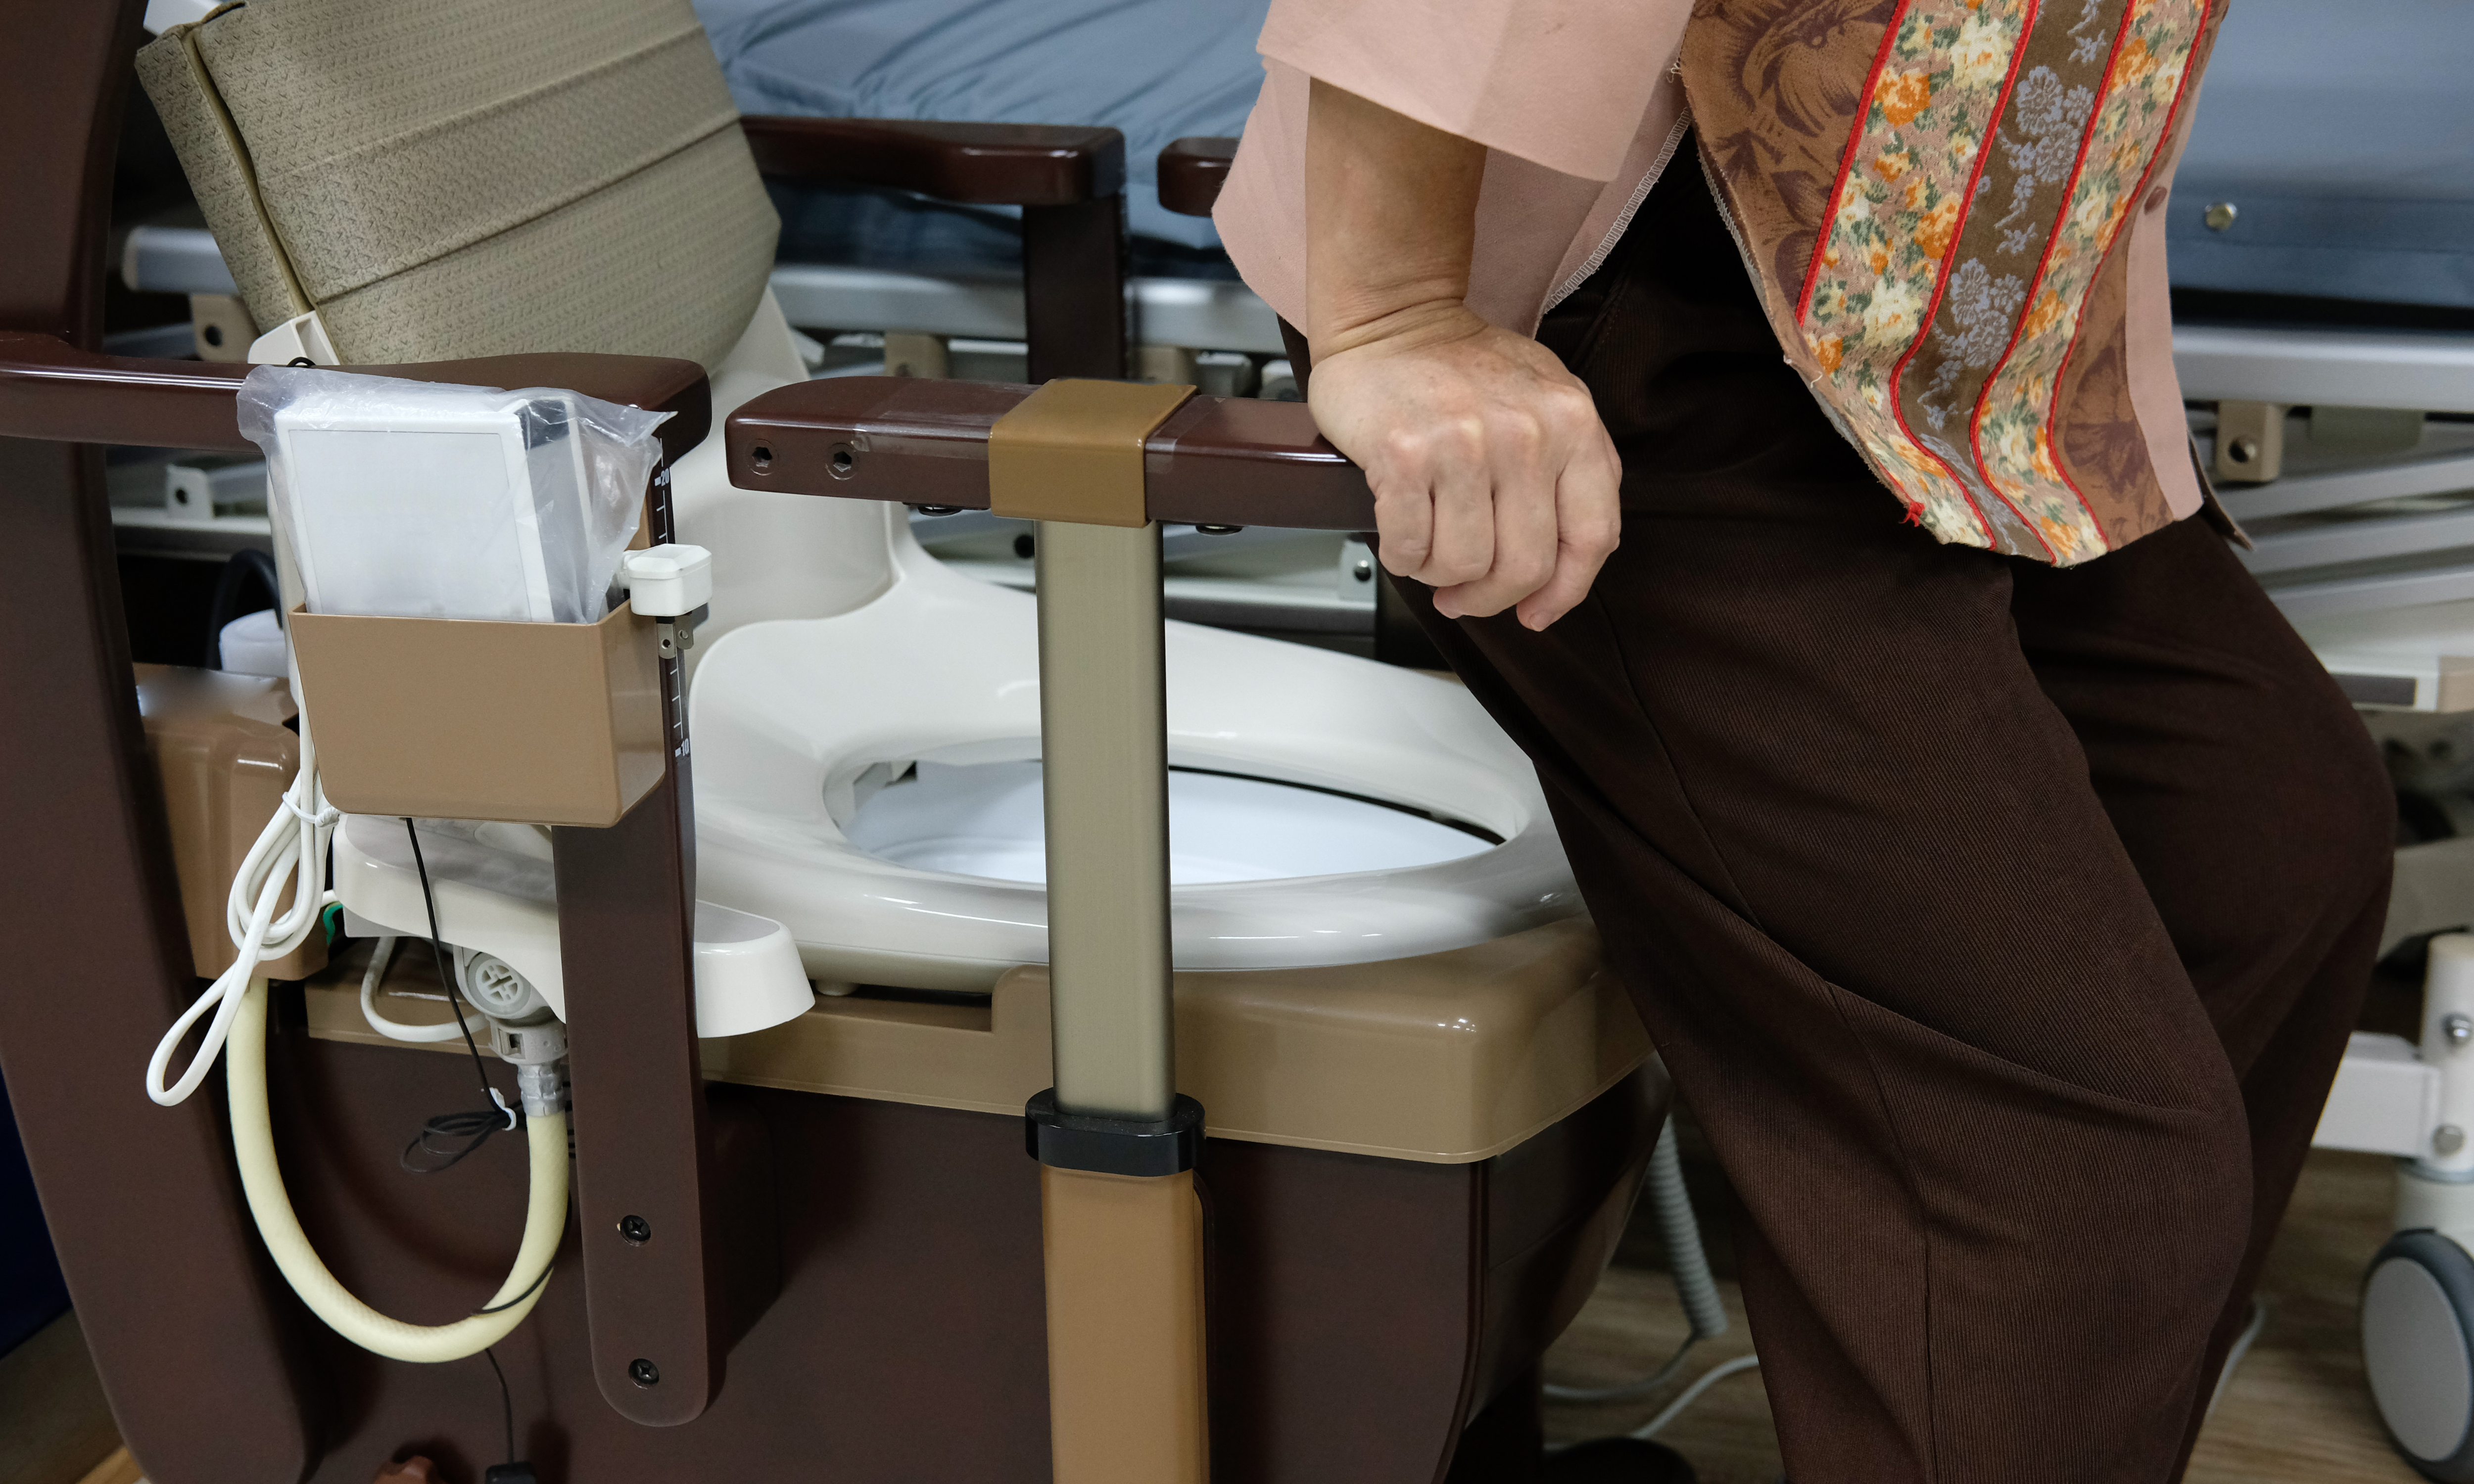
{"points": [[668, 581]]}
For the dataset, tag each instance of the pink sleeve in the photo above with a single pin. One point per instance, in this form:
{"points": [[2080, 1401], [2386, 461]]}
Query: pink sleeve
{"points": [[1560, 83]]}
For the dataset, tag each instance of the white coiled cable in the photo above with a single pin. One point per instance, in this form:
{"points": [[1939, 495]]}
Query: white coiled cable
{"points": [[293, 844], [395, 1030]]}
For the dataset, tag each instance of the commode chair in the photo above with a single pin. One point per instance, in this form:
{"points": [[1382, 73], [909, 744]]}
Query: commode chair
{"points": [[1427, 1109]]}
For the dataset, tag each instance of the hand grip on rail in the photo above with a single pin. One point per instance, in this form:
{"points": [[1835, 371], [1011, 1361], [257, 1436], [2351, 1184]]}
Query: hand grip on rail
{"points": [[1216, 461]]}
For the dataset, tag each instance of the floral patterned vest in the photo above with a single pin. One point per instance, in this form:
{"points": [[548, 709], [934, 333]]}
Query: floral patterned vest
{"points": [[1933, 196]]}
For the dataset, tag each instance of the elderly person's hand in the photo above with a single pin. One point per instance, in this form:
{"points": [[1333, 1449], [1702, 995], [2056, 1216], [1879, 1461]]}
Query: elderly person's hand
{"points": [[1495, 483]]}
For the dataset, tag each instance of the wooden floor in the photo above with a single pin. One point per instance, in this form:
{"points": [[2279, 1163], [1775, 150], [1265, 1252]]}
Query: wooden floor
{"points": [[55, 1423], [2296, 1412]]}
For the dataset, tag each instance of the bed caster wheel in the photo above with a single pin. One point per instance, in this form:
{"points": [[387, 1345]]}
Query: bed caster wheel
{"points": [[2418, 1351]]}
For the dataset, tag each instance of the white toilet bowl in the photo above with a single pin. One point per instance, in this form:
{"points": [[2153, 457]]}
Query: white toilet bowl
{"points": [[868, 781]]}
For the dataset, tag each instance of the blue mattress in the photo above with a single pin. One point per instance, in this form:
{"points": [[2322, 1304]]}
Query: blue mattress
{"points": [[2343, 138], [1158, 70]]}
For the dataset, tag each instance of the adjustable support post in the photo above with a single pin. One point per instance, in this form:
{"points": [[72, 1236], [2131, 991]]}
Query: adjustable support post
{"points": [[1121, 1221]]}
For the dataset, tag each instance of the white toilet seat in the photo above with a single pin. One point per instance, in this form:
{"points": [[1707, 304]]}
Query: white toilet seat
{"points": [[795, 721]]}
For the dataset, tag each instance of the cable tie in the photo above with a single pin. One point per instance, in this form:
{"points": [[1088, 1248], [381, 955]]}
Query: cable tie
{"points": [[322, 819]]}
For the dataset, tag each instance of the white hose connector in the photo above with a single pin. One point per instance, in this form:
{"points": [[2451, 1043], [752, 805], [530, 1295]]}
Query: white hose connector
{"points": [[262, 1182], [396, 1030], [293, 844]]}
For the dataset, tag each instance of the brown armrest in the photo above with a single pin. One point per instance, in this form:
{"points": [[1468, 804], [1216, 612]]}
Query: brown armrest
{"points": [[51, 390], [1190, 172], [976, 164], [1216, 461]]}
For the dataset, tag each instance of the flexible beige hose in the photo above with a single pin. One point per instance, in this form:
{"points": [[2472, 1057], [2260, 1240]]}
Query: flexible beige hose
{"points": [[262, 1180]]}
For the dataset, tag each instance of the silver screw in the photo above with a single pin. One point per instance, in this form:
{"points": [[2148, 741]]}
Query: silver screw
{"points": [[2458, 1028], [2241, 451], [2447, 1140]]}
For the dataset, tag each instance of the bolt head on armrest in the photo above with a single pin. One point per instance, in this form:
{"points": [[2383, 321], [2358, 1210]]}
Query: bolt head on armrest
{"points": [[973, 164]]}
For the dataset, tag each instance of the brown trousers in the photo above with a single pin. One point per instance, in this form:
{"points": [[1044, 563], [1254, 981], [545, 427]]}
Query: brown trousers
{"points": [[2002, 925]]}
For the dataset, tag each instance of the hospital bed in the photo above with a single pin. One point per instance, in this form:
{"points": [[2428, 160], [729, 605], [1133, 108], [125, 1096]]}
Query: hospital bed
{"points": [[2322, 258]]}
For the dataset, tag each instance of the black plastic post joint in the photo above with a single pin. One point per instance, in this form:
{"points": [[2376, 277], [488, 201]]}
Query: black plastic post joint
{"points": [[1112, 1147]]}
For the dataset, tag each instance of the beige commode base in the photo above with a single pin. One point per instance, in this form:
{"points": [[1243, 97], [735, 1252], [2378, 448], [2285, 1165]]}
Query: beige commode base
{"points": [[1445, 1058]]}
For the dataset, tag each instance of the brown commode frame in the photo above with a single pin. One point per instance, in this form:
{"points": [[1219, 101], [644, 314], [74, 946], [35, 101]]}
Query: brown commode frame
{"points": [[1364, 1310]]}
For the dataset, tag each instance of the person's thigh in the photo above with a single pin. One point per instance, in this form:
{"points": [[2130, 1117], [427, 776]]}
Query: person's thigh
{"points": [[2253, 807], [1847, 855], [2246, 791]]}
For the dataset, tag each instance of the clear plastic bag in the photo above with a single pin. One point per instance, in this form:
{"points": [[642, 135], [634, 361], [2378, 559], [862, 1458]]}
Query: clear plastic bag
{"points": [[408, 499]]}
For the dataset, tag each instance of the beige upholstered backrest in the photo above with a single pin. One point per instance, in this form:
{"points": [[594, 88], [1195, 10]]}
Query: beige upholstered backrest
{"points": [[441, 179]]}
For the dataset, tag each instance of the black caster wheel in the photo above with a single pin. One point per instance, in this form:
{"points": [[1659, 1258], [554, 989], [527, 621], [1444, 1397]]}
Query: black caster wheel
{"points": [[2418, 1351]]}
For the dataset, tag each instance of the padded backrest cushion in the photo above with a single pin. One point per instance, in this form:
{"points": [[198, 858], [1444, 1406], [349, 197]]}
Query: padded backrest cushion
{"points": [[465, 177]]}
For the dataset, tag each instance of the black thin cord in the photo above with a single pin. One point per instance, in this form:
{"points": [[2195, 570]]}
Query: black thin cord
{"points": [[245, 564], [500, 1308], [473, 1128], [506, 1400], [438, 956]]}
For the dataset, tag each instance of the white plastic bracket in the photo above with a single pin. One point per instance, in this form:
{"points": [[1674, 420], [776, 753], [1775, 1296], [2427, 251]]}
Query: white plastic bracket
{"points": [[2386, 1099], [2447, 1150], [2416, 1102], [303, 337], [669, 581]]}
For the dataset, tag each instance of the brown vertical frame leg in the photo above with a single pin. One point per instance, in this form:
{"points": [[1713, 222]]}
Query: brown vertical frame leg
{"points": [[1075, 260], [651, 1207], [170, 1287]]}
